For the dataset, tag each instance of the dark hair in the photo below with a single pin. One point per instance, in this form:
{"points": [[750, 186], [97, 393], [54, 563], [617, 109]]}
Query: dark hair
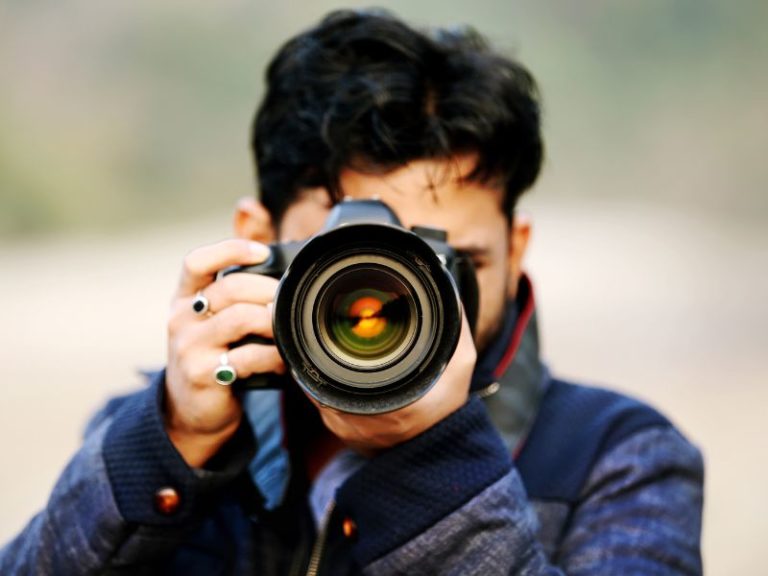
{"points": [[362, 89]]}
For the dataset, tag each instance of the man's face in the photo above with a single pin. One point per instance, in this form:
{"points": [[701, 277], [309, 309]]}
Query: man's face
{"points": [[434, 193]]}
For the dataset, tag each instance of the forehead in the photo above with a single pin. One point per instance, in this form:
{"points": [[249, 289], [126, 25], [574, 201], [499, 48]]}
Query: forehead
{"points": [[432, 192], [446, 179], [428, 192]]}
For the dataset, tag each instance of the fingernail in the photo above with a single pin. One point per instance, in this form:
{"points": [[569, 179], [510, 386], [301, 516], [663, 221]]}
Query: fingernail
{"points": [[259, 251]]}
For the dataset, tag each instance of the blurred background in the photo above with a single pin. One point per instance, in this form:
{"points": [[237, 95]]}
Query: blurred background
{"points": [[124, 144]]}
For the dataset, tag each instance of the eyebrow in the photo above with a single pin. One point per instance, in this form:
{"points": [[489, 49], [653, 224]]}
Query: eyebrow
{"points": [[474, 250]]}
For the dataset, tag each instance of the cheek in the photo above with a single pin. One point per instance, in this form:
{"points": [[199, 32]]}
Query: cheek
{"points": [[493, 291]]}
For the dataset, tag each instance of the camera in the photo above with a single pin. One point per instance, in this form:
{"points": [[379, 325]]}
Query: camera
{"points": [[367, 314]]}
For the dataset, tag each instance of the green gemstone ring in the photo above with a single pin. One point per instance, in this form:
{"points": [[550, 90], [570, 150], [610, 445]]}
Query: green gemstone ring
{"points": [[224, 374]]}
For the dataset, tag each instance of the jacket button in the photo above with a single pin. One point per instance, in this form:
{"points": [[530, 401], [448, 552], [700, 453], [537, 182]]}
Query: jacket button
{"points": [[349, 528], [167, 500]]}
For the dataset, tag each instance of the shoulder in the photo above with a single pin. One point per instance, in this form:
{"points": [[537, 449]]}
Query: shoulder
{"points": [[576, 429]]}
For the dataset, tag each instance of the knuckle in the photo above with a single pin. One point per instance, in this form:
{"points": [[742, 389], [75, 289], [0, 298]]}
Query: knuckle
{"points": [[190, 265], [227, 291], [229, 283], [182, 345], [194, 374], [186, 372], [175, 319], [198, 378], [241, 321]]}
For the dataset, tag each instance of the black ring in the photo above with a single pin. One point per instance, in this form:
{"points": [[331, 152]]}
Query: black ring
{"points": [[200, 304]]}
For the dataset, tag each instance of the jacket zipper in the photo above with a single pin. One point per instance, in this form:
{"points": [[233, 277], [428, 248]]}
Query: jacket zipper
{"points": [[489, 390], [317, 549]]}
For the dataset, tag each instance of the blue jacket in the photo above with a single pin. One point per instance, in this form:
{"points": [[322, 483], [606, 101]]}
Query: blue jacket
{"points": [[532, 476]]}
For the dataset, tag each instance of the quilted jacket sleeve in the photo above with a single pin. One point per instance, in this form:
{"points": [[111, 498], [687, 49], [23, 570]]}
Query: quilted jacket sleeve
{"points": [[640, 511], [452, 502], [101, 514]]}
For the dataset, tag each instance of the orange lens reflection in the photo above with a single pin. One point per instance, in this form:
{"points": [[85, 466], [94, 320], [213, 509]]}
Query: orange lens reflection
{"points": [[368, 325]]}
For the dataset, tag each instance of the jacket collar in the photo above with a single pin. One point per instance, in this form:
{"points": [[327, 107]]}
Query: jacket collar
{"points": [[510, 375]]}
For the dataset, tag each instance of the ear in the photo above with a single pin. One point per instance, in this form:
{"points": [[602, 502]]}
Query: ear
{"points": [[519, 234], [253, 221]]}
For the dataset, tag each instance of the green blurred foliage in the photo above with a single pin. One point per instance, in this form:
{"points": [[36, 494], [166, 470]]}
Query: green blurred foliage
{"points": [[115, 115]]}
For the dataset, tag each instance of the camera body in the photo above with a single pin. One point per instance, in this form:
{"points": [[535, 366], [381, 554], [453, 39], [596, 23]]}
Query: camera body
{"points": [[367, 314]]}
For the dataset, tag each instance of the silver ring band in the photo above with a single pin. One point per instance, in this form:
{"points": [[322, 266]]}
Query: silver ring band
{"points": [[200, 304], [225, 374]]}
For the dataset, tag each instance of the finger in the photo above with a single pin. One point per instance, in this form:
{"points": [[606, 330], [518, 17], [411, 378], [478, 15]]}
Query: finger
{"points": [[235, 322], [234, 288], [246, 360], [251, 359], [201, 265]]}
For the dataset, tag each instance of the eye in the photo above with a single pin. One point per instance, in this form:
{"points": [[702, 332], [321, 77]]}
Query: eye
{"points": [[479, 262]]}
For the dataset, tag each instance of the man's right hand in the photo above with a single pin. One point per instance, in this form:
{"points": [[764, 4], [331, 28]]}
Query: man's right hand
{"points": [[200, 414]]}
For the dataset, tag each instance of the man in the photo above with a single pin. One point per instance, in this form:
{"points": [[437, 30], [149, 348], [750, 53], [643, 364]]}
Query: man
{"points": [[498, 469]]}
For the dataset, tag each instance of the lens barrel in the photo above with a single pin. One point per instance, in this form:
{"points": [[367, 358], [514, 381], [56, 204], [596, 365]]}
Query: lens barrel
{"points": [[367, 317]]}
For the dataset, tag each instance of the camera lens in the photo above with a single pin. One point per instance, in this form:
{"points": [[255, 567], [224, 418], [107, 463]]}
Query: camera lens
{"points": [[367, 317]]}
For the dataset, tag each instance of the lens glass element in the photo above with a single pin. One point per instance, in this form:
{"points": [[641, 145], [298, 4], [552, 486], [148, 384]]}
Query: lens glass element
{"points": [[368, 316]]}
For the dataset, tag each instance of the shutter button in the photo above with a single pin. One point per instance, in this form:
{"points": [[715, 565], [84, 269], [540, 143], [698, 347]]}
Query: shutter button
{"points": [[167, 500]]}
